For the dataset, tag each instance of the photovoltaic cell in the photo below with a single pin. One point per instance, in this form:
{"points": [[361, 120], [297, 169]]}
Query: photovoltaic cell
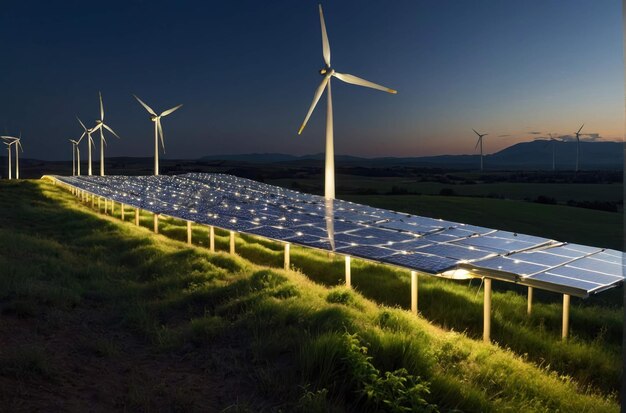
{"points": [[419, 243]]}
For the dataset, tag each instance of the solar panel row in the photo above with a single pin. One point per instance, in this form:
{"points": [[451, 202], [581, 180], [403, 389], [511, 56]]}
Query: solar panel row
{"points": [[418, 243]]}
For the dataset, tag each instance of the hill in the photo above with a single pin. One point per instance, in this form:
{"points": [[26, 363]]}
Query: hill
{"points": [[535, 155], [117, 318]]}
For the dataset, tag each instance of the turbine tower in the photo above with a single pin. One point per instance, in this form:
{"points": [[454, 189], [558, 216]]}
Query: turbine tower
{"points": [[99, 126], [9, 152], [328, 73], [74, 143], [18, 146], [554, 141], [90, 143], [480, 142], [158, 130], [578, 147]]}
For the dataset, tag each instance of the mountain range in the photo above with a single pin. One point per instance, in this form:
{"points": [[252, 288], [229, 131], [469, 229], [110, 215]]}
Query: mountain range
{"points": [[535, 155]]}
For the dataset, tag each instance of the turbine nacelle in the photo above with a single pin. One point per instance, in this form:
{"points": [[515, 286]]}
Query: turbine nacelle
{"points": [[326, 71]]}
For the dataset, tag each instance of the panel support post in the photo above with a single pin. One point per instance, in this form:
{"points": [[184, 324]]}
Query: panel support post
{"points": [[92, 201], [137, 216], [529, 308], [414, 287], [287, 258], [112, 207], [121, 211], [189, 232], [155, 219], [348, 273], [232, 242], [212, 238], [487, 311], [99, 203], [105, 206], [565, 330]]}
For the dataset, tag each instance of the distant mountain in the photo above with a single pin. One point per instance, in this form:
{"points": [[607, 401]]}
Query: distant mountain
{"points": [[534, 155]]}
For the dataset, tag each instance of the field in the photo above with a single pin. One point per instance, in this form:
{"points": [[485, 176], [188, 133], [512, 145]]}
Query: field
{"points": [[101, 315]]}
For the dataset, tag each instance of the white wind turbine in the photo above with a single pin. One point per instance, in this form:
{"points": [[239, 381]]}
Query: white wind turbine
{"points": [[578, 146], [76, 168], [9, 152], [328, 72], [158, 129], [99, 126], [90, 143], [73, 142], [480, 142]]}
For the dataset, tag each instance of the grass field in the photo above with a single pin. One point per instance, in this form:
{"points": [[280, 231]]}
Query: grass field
{"points": [[102, 313]]}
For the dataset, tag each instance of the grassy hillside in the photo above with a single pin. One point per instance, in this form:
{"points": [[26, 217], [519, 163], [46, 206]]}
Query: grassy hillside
{"points": [[103, 315]]}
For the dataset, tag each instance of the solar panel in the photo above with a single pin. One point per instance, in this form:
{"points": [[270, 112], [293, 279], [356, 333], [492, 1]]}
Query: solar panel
{"points": [[414, 242]]}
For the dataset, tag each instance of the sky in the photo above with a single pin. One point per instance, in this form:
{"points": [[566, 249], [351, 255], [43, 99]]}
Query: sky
{"points": [[246, 72]]}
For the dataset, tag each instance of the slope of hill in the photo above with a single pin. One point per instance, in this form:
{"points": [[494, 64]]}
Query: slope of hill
{"points": [[117, 318]]}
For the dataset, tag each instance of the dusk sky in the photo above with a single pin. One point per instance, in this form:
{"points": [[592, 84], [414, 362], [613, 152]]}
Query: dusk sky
{"points": [[246, 72]]}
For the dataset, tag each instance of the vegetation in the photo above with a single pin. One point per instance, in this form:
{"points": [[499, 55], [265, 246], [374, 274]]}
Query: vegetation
{"points": [[169, 327]]}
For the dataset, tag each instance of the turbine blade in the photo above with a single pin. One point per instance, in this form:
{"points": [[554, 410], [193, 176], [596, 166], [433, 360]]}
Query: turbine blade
{"points": [[101, 107], [316, 98], [325, 45], [362, 82], [160, 129], [167, 112], [581, 128], [477, 142], [81, 137], [476, 132], [81, 123], [95, 128], [148, 108], [110, 130]]}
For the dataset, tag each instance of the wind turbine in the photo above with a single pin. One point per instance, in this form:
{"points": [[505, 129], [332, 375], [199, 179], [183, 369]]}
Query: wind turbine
{"points": [[74, 143], [480, 142], [9, 151], [578, 147], [554, 141], [90, 143], [99, 126], [328, 73], [76, 168], [158, 130]]}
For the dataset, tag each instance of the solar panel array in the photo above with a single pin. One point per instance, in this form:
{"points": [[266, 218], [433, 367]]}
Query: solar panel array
{"points": [[418, 243]]}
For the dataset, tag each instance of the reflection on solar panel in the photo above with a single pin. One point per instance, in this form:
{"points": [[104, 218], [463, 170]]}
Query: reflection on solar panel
{"points": [[418, 243]]}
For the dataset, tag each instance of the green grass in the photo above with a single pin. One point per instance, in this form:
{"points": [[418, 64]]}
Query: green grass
{"points": [[300, 345]]}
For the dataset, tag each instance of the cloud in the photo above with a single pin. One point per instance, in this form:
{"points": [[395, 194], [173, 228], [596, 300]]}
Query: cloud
{"points": [[590, 136], [503, 136], [535, 133]]}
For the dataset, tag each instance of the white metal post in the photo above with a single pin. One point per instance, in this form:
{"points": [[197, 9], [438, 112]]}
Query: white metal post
{"points": [[287, 258], [529, 308], [136, 216], [122, 211], [155, 220], [189, 232], [348, 273], [112, 207], [565, 330], [487, 311], [99, 202], [232, 242], [414, 287], [211, 239], [105, 206]]}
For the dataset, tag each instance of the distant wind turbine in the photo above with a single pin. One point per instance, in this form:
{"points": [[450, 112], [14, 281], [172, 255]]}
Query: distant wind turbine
{"points": [[578, 147], [74, 143], [554, 141], [158, 130], [9, 152], [328, 72], [90, 143], [99, 126], [480, 142], [18, 147]]}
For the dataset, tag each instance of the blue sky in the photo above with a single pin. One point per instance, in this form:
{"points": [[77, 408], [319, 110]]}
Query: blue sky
{"points": [[246, 72]]}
